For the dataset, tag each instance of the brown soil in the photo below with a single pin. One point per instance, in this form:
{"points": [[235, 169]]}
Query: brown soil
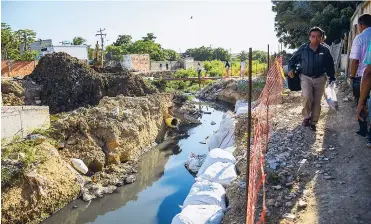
{"points": [[122, 126], [323, 175], [20, 92], [229, 91], [12, 93], [41, 191]]}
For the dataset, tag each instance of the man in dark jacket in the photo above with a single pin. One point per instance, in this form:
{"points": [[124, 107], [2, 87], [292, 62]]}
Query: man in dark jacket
{"points": [[315, 62]]}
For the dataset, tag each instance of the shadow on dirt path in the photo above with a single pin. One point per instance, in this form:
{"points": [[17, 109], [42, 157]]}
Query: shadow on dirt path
{"points": [[342, 190]]}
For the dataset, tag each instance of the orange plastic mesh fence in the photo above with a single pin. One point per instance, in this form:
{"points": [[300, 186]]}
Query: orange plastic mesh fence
{"points": [[262, 117]]}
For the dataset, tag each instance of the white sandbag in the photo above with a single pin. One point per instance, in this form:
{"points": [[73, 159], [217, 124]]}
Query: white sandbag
{"points": [[241, 107], [330, 96], [206, 193], [79, 165], [216, 155], [199, 214], [222, 173], [194, 162], [230, 149], [224, 137]]}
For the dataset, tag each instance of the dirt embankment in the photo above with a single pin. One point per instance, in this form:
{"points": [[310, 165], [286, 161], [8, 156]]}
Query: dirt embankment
{"points": [[68, 84], [229, 91], [126, 120], [41, 190], [117, 130], [108, 138], [12, 93]]}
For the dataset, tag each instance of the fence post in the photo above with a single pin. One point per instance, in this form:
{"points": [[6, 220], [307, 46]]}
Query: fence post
{"points": [[268, 58], [248, 135]]}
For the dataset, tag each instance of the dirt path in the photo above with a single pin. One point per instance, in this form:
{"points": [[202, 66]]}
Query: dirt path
{"points": [[322, 177], [347, 197]]}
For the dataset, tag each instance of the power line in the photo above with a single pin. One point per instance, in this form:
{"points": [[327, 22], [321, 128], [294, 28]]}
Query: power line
{"points": [[102, 40]]}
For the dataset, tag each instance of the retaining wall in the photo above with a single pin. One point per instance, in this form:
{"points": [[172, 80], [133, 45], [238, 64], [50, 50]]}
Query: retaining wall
{"points": [[21, 120]]}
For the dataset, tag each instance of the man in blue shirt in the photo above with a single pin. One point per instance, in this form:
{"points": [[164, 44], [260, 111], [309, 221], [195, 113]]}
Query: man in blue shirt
{"points": [[315, 63]]}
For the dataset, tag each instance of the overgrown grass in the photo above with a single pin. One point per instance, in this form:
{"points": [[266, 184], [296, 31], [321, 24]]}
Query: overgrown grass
{"points": [[24, 151]]}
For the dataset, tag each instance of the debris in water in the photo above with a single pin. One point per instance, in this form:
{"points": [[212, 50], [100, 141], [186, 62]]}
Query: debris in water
{"points": [[213, 123]]}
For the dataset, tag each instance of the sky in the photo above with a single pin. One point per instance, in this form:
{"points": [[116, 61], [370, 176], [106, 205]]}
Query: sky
{"points": [[235, 26]]}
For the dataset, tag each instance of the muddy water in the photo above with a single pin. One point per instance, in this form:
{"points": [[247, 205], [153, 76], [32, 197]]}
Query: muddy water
{"points": [[162, 185]]}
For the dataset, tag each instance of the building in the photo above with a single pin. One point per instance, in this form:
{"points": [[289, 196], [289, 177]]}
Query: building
{"points": [[136, 62], [40, 44]]}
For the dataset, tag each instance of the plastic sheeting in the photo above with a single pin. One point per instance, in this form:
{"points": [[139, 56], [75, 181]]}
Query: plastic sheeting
{"points": [[222, 173], [206, 193], [194, 162], [224, 137], [199, 214], [216, 155]]}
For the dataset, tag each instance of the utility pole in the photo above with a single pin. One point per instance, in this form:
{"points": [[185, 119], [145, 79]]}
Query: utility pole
{"points": [[102, 41]]}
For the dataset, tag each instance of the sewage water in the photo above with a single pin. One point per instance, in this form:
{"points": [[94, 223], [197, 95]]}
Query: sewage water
{"points": [[161, 187]]}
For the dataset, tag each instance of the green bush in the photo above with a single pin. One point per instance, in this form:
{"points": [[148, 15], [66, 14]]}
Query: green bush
{"points": [[185, 73]]}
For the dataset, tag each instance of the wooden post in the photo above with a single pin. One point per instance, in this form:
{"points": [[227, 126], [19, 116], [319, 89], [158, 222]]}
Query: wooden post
{"points": [[268, 58], [248, 135]]}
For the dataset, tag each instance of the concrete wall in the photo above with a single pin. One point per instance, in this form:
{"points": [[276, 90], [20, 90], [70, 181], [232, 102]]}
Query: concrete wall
{"points": [[17, 68], [155, 65], [137, 62], [21, 120]]}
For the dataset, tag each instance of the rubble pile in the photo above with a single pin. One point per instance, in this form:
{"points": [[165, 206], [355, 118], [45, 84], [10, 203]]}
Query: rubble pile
{"points": [[12, 93], [68, 84]]}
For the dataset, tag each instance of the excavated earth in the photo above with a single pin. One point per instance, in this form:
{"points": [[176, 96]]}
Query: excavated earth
{"points": [[68, 84], [105, 117]]}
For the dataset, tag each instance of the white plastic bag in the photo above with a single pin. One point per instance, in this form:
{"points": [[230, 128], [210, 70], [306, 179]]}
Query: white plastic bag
{"points": [[224, 137], [331, 98], [216, 155], [79, 165], [199, 214], [194, 162], [206, 193], [222, 173]]}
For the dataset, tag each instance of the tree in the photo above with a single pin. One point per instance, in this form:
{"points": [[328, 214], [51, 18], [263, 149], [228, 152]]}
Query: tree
{"points": [[9, 43], [171, 55], [123, 40], [78, 41], [294, 19], [90, 53], [26, 37], [260, 56], [149, 37], [124, 45], [148, 47], [29, 55], [207, 54], [243, 56]]}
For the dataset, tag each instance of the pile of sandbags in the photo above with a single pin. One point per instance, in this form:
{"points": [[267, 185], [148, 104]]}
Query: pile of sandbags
{"points": [[68, 84], [206, 201]]}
